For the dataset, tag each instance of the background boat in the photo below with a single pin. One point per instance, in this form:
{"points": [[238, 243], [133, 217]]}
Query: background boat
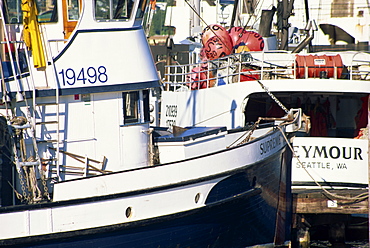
{"points": [[329, 182]]}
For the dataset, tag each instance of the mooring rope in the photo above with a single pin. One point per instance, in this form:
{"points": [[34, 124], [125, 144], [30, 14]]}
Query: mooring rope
{"points": [[360, 197], [212, 117]]}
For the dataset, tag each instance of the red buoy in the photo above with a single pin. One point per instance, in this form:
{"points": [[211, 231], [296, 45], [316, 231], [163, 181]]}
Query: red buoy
{"points": [[243, 40], [217, 47], [216, 42], [197, 78]]}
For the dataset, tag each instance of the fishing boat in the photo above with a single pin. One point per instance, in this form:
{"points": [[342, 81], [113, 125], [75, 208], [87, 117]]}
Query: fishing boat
{"points": [[238, 78], [330, 165], [313, 56], [81, 164]]}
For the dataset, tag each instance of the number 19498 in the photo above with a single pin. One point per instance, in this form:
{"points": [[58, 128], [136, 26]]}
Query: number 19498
{"points": [[89, 75]]}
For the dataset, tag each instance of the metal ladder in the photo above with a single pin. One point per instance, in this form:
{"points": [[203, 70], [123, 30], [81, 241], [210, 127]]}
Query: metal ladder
{"points": [[42, 123], [34, 160]]}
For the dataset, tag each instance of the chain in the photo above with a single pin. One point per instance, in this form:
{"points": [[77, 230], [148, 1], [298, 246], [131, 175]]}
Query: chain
{"points": [[20, 172], [273, 97], [29, 183], [43, 181], [27, 178], [21, 180], [46, 191]]}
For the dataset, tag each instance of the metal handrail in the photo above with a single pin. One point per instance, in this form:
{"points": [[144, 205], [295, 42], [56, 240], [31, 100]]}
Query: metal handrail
{"points": [[266, 69]]}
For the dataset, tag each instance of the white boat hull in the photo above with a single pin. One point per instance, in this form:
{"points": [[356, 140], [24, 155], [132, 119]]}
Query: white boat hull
{"points": [[228, 194]]}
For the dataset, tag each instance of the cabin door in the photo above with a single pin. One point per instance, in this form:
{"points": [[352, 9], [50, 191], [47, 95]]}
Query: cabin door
{"points": [[71, 14]]}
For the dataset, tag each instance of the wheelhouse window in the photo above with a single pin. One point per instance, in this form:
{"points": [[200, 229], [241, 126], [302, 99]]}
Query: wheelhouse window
{"points": [[131, 107], [12, 11], [135, 107], [73, 10], [106, 10], [47, 11], [112, 10]]}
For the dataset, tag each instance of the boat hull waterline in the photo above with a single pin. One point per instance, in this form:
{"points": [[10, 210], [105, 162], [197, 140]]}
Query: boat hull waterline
{"points": [[228, 210]]}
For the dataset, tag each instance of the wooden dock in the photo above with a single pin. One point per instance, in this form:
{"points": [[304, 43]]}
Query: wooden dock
{"points": [[333, 215], [319, 202]]}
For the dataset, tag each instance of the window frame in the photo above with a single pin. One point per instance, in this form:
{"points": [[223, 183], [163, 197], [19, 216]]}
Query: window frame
{"points": [[139, 108]]}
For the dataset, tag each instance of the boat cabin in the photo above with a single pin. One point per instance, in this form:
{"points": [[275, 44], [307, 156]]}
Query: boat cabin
{"points": [[75, 84]]}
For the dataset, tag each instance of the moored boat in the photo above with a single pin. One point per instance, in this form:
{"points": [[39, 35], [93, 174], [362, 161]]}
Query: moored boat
{"points": [[81, 165], [329, 171], [331, 85]]}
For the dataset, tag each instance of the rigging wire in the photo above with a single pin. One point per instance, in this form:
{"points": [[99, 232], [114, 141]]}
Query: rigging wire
{"points": [[237, 59], [358, 198]]}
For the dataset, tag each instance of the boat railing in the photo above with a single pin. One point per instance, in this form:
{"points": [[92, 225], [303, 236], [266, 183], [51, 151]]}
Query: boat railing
{"points": [[17, 64], [226, 70], [359, 67], [58, 44], [13, 63], [246, 67]]}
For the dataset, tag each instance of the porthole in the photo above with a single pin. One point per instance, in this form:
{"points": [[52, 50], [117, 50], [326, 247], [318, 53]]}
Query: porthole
{"points": [[197, 197], [254, 182], [128, 212]]}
